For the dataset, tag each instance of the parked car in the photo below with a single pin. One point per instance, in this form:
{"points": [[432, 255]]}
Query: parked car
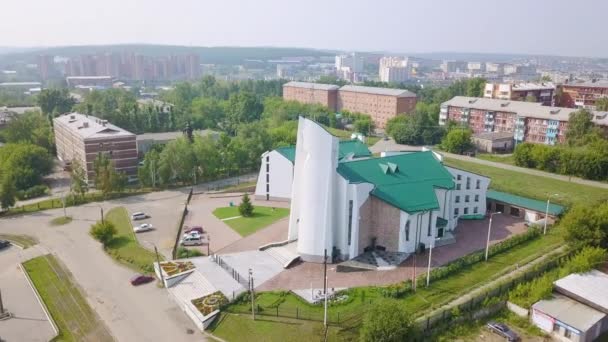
{"points": [[140, 279], [143, 228], [4, 244], [193, 239], [139, 216], [503, 330], [197, 229]]}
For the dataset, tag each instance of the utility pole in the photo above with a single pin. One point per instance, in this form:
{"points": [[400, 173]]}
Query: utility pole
{"points": [[326, 298], [252, 294], [63, 203], [101, 214], [489, 232], [3, 314], [428, 270], [160, 269]]}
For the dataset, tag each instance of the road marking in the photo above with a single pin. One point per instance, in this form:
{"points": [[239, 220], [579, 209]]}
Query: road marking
{"points": [[231, 218]]}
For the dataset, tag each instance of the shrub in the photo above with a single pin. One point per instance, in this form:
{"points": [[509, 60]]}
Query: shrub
{"points": [[388, 321], [246, 208], [33, 192], [183, 252], [103, 232]]}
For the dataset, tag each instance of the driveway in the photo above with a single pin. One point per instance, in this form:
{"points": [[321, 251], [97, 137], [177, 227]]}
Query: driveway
{"points": [[470, 236], [145, 313], [29, 322]]}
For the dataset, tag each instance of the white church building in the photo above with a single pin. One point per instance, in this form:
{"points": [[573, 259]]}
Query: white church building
{"points": [[348, 205]]}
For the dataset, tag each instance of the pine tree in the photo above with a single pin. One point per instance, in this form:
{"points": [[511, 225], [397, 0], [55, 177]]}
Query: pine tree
{"points": [[246, 208]]}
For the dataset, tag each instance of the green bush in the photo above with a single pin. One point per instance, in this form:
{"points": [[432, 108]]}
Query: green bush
{"points": [[388, 321], [246, 208], [103, 232], [33, 192], [183, 252]]}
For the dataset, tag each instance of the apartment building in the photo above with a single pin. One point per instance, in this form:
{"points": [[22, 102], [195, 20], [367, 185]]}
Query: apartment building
{"points": [[531, 92], [582, 95], [454, 66], [381, 104], [527, 121], [393, 69], [312, 93], [81, 138]]}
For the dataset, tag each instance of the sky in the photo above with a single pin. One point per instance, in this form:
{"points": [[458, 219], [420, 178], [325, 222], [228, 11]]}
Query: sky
{"points": [[555, 27]]}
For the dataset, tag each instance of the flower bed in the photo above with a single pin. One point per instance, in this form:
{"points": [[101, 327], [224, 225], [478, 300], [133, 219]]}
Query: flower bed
{"points": [[210, 303], [174, 267]]}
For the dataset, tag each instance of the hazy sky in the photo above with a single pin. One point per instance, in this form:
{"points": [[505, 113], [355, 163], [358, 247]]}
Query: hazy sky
{"points": [[575, 28]]}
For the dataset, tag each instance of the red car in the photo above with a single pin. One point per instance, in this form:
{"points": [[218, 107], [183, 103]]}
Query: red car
{"points": [[140, 279], [197, 229]]}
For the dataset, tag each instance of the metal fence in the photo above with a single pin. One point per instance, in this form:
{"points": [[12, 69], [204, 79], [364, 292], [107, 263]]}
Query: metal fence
{"points": [[231, 271]]}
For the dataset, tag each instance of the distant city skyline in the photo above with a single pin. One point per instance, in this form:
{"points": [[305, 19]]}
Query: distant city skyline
{"points": [[540, 27]]}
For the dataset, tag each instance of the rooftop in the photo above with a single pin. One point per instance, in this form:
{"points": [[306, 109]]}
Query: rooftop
{"points": [[494, 135], [591, 286], [571, 312], [89, 77], [90, 127], [533, 86], [528, 203], [589, 84], [346, 147], [163, 136], [521, 108], [378, 91], [397, 177], [310, 85]]}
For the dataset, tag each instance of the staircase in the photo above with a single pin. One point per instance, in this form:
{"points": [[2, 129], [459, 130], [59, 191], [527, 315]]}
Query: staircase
{"points": [[285, 254]]}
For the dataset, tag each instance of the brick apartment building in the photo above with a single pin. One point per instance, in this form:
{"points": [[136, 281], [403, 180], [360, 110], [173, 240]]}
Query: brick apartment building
{"points": [[312, 93], [582, 95], [541, 92], [81, 137], [527, 121], [381, 104]]}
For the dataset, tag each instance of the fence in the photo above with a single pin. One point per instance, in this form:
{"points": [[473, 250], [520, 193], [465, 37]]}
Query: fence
{"points": [[226, 183], [234, 273], [180, 224]]}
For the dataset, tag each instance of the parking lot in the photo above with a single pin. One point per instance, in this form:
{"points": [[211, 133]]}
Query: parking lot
{"points": [[29, 322]]}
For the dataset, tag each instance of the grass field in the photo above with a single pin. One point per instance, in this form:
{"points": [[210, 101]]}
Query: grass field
{"points": [[505, 159], [61, 220], [74, 317], [243, 187], [124, 247], [262, 217], [23, 241], [426, 298], [537, 187]]}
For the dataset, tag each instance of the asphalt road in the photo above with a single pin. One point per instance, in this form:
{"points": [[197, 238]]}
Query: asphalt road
{"points": [[143, 313]]}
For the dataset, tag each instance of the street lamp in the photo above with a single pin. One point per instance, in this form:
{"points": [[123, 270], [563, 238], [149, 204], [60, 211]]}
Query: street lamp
{"points": [[547, 213], [489, 231]]}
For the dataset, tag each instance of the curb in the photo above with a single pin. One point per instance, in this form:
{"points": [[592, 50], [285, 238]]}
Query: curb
{"points": [[44, 308]]}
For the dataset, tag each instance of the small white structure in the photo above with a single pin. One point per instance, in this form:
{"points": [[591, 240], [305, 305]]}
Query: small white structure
{"points": [[398, 203]]}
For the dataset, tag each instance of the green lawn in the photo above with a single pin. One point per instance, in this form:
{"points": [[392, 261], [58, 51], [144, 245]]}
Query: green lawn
{"points": [[124, 247], [61, 220], [23, 241], [349, 314], [262, 217], [75, 319], [498, 158], [243, 187], [533, 186]]}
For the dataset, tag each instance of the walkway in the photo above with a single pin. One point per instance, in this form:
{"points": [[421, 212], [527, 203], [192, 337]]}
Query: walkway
{"points": [[390, 145], [487, 286]]}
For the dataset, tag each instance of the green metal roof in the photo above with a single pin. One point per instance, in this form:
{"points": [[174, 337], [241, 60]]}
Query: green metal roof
{"points": [[472, 217], [528, 203], [346, 147], [406, 181]]}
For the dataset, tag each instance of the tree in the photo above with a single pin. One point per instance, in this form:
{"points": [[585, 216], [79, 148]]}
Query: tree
{"points": [[364, 126], [55, 101], [26, 163], [106, 178], [103, 232], [242, 107], [475, 87], [7, 193], [415, 129], [580, 124], [457, 141], [523, 155], [30, 127], [246, 208], [387, 321], [78, 176], [601, 104], [586, 225]]}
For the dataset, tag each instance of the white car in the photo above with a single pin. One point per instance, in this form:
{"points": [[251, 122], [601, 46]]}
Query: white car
{"points": [[191, 240], [139, 216], [143, 228]]}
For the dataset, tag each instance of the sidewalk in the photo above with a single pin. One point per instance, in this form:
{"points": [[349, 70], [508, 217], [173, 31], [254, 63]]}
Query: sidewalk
{"points": [[488, 286]]}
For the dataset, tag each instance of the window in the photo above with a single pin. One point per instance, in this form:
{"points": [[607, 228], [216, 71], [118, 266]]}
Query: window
{"points": [[466, 198], [555, 328], [457, 199], [476, 198], [267, 178], [466, 211], [457, 186], [455, 211], [429, 227], [477, 184], [407, 230], [350, 220], [514, 211], [475, 210], [468, 183], [267, 167], [267, 187], [567, 333], [458, 177]]}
